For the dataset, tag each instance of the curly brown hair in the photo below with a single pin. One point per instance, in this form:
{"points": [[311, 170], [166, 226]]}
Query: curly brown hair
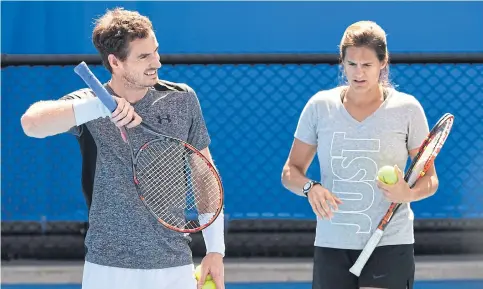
{"points": [[115, 30]]}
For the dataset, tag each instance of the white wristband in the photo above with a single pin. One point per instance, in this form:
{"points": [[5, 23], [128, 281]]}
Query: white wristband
{"points": [[214, 234], [87, 109]]}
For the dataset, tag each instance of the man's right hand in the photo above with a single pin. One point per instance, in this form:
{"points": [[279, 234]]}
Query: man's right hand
{"points": [[320, 199], [124, 115]]}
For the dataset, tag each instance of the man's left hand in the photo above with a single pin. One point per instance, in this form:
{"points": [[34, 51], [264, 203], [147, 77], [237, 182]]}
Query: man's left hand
{"points": [[212, 264], [400, 192]]}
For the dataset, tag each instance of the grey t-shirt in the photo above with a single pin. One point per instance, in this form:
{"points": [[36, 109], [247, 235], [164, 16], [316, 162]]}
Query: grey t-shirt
{"points": [[350, 153], [122, 232]]}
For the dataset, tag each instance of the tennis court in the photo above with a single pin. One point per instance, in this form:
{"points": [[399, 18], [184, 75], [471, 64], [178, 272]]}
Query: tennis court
{"points": [[432, 272]]}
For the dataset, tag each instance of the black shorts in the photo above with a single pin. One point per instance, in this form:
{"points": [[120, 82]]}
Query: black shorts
{"points": [[390, 267]]}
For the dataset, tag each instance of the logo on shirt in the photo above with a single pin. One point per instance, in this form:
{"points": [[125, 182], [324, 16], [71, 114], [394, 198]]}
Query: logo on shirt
{"points": [[166, 119], [354, 171]]}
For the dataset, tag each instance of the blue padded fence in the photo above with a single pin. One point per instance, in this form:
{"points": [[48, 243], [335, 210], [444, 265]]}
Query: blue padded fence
{"points": [[251, 112]]}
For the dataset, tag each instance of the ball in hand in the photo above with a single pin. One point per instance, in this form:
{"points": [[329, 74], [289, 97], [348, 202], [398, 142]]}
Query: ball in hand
{"points": [[387, 175], [209, 285], [198, 274]]}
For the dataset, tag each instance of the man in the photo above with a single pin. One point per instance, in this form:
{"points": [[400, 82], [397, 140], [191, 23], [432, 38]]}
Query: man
{"points": [[126, 246]]}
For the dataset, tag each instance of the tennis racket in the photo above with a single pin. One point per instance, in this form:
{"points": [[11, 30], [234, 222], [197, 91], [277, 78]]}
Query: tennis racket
{"points": [[421, 163], [178, 185]]}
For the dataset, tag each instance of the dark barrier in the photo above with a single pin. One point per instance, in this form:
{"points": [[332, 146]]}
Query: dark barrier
{"points": [[251, 104]]}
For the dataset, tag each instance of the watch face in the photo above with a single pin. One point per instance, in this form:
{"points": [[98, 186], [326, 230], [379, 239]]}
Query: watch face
{"points": [[307, 186]]}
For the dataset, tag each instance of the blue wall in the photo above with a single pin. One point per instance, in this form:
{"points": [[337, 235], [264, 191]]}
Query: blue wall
{"points": [[41, 178], [211, 27]]}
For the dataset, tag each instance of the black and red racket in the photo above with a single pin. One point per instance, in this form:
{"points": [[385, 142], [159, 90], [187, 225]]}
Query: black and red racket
{"points": [[178, 184], [421, 163]]}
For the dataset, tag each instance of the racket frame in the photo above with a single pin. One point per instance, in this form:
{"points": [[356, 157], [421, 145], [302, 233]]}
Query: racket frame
{"points": [[162, 137], [371, 245], [106, 98]]}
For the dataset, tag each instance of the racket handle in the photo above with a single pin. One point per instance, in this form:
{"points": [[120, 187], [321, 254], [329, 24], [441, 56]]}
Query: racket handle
{"points": [[91, 80], [366, 253], [100, 91]]}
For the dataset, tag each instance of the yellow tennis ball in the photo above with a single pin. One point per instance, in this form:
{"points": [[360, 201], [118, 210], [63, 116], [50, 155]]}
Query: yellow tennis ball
{"points": [[198, 274], [209, 285], [388, 175]]}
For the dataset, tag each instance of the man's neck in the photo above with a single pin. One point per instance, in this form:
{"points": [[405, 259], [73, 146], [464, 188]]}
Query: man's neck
{"points": [[129, 93]]}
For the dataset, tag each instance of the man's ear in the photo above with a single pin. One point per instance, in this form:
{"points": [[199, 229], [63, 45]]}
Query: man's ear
{"points": [[114, 62]]}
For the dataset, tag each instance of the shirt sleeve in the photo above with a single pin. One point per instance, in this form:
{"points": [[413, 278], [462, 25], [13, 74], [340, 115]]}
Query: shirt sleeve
{"points": [[198, 133], [78, 94], [418, 126], [306, 130]]}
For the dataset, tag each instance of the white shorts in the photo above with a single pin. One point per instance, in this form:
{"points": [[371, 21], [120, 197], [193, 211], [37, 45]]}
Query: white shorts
{"points": [[103, 277]]}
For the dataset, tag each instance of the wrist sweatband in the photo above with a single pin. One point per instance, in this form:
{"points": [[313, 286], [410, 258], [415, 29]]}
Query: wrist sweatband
{"points": [[214, 234], [88, 109]]}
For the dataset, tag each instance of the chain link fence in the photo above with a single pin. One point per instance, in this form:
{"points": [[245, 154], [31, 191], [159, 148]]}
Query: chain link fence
{"points": [[251, 108]]}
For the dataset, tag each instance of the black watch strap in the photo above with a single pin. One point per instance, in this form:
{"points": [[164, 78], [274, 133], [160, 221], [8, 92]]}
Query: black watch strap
{"points": [[308, 186]]}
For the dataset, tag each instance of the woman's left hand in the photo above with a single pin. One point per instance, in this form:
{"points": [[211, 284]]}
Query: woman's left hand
{"points": [[400, 192]]}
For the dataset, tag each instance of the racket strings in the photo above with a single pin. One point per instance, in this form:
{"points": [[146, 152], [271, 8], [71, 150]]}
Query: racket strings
{"points": [[162, 180], [190, 204], [150, 166], [177, 184], [202, 180]]}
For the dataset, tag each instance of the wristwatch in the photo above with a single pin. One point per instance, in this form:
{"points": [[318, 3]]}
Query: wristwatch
{"points": [[308, 185]]}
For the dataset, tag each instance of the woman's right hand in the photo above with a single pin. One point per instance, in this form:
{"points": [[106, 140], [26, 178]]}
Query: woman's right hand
{"points": [[320, 198]]}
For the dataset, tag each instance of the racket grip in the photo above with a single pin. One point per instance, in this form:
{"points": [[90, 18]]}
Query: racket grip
{"points": [[366, 253], [91, 80]]}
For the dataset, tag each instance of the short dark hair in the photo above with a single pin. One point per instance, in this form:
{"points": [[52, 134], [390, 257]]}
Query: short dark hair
{"points": [[367, 34], [115, 30]]}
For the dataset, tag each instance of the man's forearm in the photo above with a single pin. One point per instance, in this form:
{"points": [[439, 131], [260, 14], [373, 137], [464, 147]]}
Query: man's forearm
{"points": [[214, 235], [48, 118]]}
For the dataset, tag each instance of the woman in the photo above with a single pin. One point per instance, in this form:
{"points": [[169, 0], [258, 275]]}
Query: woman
{"points": [[355, 129]]}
